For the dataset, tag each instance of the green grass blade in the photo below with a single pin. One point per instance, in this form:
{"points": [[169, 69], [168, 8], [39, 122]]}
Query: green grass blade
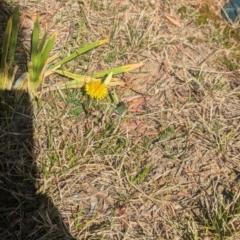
{"points": [[14, 35], [6, 41], [36, 70], [5, 76], [80, 82], [48, 48], [74, 76], [77, 53], [77, 82], [35, 41], [72, 84], [42, 44], [122, 69], [30, 71], [42, 58], [108, 78], [5, 46], [142, 174]]}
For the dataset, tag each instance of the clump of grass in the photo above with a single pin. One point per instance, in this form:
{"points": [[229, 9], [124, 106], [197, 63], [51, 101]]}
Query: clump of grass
{"points": [[221, 217], [41, 65], [7, 69], [217, 217]]}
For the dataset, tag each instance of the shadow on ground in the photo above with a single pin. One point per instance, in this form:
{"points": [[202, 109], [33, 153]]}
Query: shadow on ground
{"points": [[24, 213]]}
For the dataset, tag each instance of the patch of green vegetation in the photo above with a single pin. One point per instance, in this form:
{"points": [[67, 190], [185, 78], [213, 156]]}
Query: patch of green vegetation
{"points": [[111, 56], [70, 153], [104, 130], [222, 219], [229, 64], [168, 144], [99, 6], [218, 219], [165, 134], [182, 11], [141, 175], [231, 33], [207, 13], [53, 158], [50, 161], [114, 144], [77, 219], [73, 98], [189, 231], [227, 36], [82, 24], [222, 135]]}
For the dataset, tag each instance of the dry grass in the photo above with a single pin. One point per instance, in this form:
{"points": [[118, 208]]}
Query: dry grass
{"points": [[168, 168]]}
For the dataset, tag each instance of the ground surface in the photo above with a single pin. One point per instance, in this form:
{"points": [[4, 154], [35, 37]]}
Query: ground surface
{"points": [[168, 167]]}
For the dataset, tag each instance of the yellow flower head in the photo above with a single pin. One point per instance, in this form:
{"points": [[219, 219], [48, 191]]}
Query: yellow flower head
{"points": [[96, 89]]}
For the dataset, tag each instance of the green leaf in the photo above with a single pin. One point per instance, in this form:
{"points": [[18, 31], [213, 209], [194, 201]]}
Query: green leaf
{"points": [[121, 108], [72, 84], [142, 174], [35, 41], [78, 53], [30, 70], [36, 67], [42, 58], [42, 44], [108, 78], [117, 70], [6, 41], [74, 76], [77, 82], [40, 52], [5, 46], [14, 35]]}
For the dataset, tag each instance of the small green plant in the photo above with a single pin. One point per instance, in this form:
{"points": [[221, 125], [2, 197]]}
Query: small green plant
{"points": [[39, 57], [41, 65], [221, 219], [7, 71]]}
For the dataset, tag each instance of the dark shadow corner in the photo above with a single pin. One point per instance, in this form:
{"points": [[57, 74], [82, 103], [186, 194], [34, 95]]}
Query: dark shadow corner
{"points": [[24, 213]]}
